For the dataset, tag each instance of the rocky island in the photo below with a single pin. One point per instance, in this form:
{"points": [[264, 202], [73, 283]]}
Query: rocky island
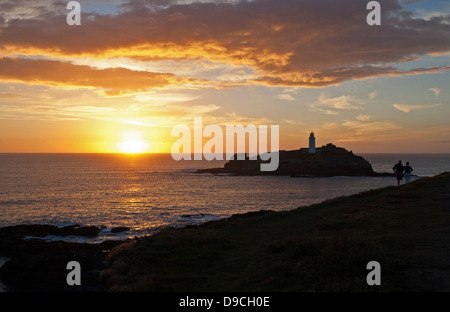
{"points": [[325, 161]]}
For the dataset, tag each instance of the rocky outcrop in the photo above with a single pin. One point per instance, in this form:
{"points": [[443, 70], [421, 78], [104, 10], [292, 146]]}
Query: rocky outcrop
{"points": [[42, 230], [38, 265], [119, 229], [328, 160]]}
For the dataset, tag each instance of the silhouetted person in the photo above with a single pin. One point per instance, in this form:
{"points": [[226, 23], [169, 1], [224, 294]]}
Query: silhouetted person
{"points": [[398, 169], [407, 169]]}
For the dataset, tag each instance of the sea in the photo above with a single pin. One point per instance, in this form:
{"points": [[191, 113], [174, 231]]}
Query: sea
{"points": [[149, 192]]}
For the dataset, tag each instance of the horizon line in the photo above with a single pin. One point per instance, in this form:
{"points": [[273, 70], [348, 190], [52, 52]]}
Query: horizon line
{"points": [[168, 153]]}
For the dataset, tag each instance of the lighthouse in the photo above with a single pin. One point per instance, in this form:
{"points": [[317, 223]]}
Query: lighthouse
{"points": [[312, 143]]}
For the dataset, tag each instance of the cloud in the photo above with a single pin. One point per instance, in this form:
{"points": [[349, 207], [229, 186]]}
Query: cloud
{"points": [[359, 128], [20, 101], [23, 9], [293, 122], [408, 108], [143, 5], [286, 97], [373, 95], [56, 73], [156, 99], [333, 105], [436, 91], [360, 131], [364, 118], [283, 43], [428, 15], [233, 118]]}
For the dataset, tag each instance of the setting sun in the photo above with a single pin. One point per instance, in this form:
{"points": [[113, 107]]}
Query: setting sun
{"points": [[132, 143]]}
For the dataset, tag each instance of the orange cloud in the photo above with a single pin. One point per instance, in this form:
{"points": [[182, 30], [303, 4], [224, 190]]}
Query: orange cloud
{"points": [[57, 73], [408, 108], [286, 43]]}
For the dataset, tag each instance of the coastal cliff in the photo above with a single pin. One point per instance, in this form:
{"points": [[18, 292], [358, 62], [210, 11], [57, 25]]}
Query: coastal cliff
{"points": [[321, 248], [327, 161]]}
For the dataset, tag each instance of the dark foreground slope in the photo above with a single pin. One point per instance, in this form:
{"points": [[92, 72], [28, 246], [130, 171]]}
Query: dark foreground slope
{"points": [[36, 265], [323, 247]]}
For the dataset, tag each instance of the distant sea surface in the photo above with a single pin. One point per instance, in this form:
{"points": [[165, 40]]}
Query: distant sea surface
{"points": [[152, 191]]}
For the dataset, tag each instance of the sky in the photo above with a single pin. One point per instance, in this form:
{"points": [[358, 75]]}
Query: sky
{"points": [[134, 69]]}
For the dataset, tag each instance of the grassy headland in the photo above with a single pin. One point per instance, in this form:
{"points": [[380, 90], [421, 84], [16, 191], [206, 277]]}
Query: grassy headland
{"points": [[322, 247]]}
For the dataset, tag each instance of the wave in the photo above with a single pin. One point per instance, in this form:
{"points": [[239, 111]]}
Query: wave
{"points": [[18, 202], [75, 233]]}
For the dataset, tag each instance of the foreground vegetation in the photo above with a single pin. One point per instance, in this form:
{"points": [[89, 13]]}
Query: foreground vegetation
{"points": [[322, 247]]}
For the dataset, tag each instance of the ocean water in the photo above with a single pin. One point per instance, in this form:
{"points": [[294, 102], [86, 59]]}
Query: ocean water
{"points": [[152, 191]]}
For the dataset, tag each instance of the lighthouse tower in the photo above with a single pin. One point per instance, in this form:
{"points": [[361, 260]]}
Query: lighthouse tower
{"points": [[312, 143]]}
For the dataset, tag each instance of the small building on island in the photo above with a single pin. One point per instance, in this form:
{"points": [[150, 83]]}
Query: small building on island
{"points": [[312, 146], [312, 143]]}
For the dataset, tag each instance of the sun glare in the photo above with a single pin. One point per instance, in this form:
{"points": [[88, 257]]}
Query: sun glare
{"points": [[132, 143]]}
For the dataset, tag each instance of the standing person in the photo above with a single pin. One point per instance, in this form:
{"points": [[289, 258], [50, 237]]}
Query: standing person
{"points": [[408, 169], [398, 169]]}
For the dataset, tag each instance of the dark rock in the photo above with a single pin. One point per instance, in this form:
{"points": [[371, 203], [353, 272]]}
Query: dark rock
{"points": [[119, 229], [22, 230], [198, 215], [86, 231], [37, 265], [42, 230]]}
